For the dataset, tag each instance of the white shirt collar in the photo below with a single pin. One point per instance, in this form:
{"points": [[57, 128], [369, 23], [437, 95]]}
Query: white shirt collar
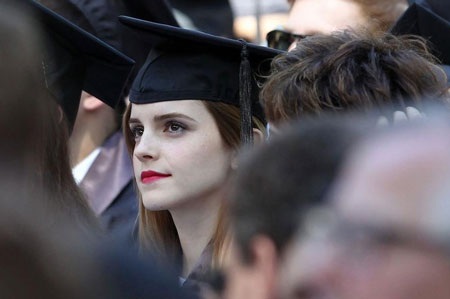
{"points": [[81, 169]]}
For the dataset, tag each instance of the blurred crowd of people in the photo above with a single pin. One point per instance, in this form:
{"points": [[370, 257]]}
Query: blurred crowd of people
{"points": [[157, 149]]}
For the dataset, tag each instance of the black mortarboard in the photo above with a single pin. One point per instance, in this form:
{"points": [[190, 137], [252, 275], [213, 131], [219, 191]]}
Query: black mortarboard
{"points": [[103, 17], [186, 64], [440, 7], [75, 60], [419, 20], [156, 11], [100, 17]]}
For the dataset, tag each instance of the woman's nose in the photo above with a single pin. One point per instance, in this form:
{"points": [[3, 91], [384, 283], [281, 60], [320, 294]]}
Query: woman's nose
{"points": [[146, 147]]}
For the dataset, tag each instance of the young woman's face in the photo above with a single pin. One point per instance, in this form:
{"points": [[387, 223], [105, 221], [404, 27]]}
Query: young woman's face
{"points": [[179, 154]]}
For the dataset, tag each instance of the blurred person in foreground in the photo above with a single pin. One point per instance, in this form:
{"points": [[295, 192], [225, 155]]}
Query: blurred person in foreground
{"points": [[350, 71], [33, 134], [73, 60], [59, 261], [273, 186], [385, 233]]}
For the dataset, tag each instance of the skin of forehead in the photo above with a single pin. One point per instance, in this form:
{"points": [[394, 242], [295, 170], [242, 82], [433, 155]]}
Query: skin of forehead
{"points": [[323, 16]]}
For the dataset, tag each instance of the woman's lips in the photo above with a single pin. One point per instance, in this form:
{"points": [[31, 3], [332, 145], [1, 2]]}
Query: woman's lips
{"points": [[151, 176]]}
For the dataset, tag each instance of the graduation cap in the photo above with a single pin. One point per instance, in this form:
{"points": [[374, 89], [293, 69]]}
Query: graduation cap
{"points": [[100, 17], [186, 64], [159, 11], [75, 60], [421, 21], [440, 7]]}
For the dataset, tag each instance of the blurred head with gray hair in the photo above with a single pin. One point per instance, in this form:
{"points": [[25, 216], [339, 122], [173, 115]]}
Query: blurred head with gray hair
{"points": [[386, 232]]}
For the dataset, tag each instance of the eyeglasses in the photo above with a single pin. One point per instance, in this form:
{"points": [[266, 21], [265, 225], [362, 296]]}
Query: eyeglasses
{"points": [[281, 40]]}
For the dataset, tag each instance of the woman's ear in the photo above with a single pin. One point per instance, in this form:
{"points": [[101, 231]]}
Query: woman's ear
{"points": [[91, 103], [258, 136]]}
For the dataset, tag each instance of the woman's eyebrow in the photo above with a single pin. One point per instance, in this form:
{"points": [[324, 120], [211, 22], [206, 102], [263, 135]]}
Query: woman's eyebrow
{"points": [[133, 121], [159, 118], [172, 115]]}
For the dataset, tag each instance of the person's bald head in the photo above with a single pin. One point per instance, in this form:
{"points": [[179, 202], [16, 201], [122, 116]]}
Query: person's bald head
{"points": [[396, 177]]}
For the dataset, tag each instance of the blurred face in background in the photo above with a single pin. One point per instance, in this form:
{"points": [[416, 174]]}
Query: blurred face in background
{"points": [[309, 17]]}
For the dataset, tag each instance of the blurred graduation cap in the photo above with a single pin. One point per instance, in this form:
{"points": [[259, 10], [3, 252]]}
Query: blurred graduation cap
{"points": [[159, 11], [100, 18], [103, 17], [419, 20], [186, 64], [210, 16], [75, 60]]}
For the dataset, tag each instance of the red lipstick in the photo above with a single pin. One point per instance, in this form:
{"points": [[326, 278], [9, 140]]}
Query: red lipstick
{"points": [[151, 176]]}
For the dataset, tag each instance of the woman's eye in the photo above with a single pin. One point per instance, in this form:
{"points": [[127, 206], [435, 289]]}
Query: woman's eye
{"points": [[174, 127], [137, 132]]}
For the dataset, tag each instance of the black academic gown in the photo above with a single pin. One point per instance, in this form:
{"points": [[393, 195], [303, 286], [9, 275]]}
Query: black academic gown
{"points": [[109, 188]]}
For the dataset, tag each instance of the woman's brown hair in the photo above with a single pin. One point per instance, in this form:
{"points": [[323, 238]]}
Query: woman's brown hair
{"points": [[157, 231]]}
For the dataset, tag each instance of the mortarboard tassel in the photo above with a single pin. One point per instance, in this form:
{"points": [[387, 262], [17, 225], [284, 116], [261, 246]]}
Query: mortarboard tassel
{"points": [[245, 91]]}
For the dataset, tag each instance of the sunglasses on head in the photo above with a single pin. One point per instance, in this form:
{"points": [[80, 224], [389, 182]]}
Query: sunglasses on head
{"points": [[281, 40]]}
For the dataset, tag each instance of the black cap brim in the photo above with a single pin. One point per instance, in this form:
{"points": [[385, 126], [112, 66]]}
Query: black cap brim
{"points": [[156, 33]]}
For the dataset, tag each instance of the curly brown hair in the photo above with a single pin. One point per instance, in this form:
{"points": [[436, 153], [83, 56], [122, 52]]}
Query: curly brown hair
{"points": [[350, 70]]}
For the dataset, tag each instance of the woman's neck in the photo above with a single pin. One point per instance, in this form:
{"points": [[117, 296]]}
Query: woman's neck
{"points": [[196, 223]]}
